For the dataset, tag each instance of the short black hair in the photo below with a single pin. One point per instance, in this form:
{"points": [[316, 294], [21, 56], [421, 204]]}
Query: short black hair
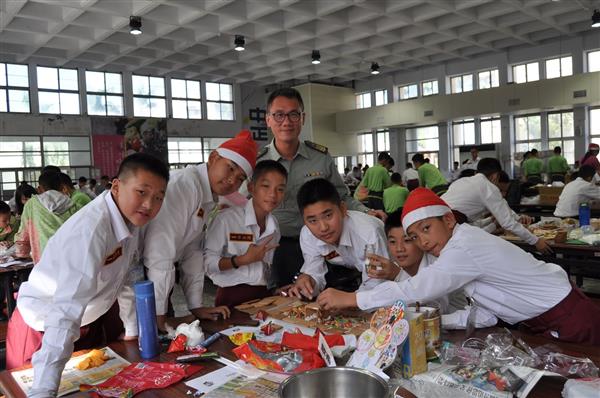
{"points": [[489, 166], [93, 181], [418, 157], [65, 180], [534, 151], [557, 150], [50, 180], [105, 177], [586, 171], [396, 178], [82, 179], [4, 207], [143, 161], [286, 92], [265, 166], [383, 156], [391, 162], [503, 177], [317, 190], [409, 165], [467, 173], [393, 220], [55, 169]]}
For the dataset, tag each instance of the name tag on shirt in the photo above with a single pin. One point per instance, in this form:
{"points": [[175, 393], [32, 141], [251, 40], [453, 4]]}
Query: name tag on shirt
{"points": [[331, 255], [239, 237], [114, 256]]}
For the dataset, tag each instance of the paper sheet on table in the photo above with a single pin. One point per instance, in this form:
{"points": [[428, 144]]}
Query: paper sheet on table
{"points": [[212, 380], [72, 377]]}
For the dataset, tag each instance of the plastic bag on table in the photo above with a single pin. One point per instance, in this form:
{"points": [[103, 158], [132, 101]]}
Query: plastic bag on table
{"points": [[275, 358], [553, 360], [500, 351], [452, 354]]}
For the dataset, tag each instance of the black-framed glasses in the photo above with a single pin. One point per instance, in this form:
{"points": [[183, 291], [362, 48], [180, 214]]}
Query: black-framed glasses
{"points": [[279, 117]]}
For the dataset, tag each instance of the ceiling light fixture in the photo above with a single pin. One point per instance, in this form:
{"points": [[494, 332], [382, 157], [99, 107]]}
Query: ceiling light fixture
{"points": [[596, 19], [316, 57], [374, 68], [239, 43], [135, 25]]}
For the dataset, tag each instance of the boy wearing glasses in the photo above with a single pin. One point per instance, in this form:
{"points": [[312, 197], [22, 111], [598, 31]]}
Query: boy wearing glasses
{"points": [[304, 161]]}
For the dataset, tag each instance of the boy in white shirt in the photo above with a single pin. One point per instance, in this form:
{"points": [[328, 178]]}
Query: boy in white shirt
{"points": [[177, 233], [477, 195], [576, 192], [502, 279], [239, 242], [336, 237], [66, 291]]}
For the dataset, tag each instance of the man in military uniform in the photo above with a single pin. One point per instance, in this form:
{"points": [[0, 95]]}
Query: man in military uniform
{"points": [[303, 161]]}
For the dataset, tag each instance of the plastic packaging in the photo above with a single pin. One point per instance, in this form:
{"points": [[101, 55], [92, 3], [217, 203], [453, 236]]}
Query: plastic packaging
{"points": [[554, 361], [192, 331], [584, 214], [145, 306]]}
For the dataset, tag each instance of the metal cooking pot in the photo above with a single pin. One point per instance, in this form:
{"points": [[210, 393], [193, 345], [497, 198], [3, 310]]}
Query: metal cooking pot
{"points": [[337, 382]]}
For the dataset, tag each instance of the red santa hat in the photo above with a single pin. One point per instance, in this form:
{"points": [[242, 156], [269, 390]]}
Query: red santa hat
{"points": [[242, 150], [593, 147], [422, 203]]}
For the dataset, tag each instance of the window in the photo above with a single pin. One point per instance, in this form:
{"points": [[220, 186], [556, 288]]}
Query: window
{"points": [[423, 140], [595, 122], [184, 151], [209, 144], [340, 162], [70, 152], [58, 90], [491, 131], [365, 149], [14, 88], [526, 72], [463, 133], [409, 91], [488, 79], [558, 67], [383, 141], [186, 99], [149, 96], [528, 133], [429, 88], [381, 97], [104, 93], [363, 100], [593, 61], [20, 152], [562, 133], [219, 101], [461, 84]]}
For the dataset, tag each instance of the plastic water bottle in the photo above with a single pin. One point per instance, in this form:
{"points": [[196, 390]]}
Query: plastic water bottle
{"points": [[145, 306], [584, 214]]}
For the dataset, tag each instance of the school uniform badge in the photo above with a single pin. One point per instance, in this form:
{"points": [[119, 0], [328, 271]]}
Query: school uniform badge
{"points": [[114, 256], [240, 237], [331, 255]]}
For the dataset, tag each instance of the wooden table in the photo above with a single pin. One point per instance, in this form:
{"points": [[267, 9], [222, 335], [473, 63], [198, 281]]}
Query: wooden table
{"points": [[7, 276], [547, 387]]}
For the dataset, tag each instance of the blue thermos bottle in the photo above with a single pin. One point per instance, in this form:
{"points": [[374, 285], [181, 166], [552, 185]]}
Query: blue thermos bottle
{"points": [[145, 306], [584, 214]]}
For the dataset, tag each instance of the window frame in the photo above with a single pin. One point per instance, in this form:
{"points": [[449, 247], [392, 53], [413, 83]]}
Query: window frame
{"points": [[408, 86], [462, 83], [490, 73], [384, 94], [434, 83], [59, 91], [361, 100], [150, 96], [526, 65], [560, 66], [232, 102], [8, 88], [104, 93], [187, 99]]}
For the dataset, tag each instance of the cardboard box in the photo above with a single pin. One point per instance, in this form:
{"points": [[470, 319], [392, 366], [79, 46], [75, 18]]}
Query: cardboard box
{"points": [[413, 360], [549, 195]]}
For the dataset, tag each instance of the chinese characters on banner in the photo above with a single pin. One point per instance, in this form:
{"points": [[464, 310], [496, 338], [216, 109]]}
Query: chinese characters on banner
{"points": [[258, 126], [108, 153]]}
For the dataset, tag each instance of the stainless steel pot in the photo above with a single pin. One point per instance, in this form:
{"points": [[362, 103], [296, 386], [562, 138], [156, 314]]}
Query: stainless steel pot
{"points": [[338, 382]]}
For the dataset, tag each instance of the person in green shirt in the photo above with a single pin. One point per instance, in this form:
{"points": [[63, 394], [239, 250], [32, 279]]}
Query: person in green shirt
{"points": [[395, 196], [429, 175], [557, 166], [376, 179], [78, 197], [533, 168]]}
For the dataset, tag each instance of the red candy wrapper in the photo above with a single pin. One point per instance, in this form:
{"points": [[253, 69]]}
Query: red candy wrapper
{"points": [[178, 343], [270, 328], [265, 356], [139, 377], [302, 341]]}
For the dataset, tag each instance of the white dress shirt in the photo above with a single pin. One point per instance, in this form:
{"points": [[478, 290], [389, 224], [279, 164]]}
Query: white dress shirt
{"points": [[409, 174], [504, 280], [475, 196], [77, 280], [573, 194], [359, 230], [176, 234], [231, 233]]}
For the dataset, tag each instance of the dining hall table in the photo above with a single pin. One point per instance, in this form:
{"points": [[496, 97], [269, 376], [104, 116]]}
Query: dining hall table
{"points": [[547, 387]]}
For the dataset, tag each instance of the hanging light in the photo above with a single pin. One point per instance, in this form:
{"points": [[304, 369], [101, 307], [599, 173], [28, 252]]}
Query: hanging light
{"points": [[374, 68], [316, 57], [135, 25], [596, 19], [239, 43]]}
